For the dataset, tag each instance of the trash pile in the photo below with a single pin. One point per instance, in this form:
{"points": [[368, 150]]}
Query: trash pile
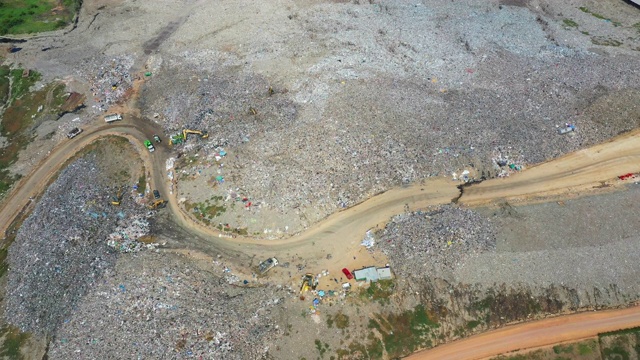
{"points": [[128, 232], [110, 80], [441, 239], [61, 252], [161, 306]]}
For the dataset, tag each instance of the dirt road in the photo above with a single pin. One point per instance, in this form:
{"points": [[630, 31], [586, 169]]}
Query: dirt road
{"points": [[534, 334], [573, 172]]}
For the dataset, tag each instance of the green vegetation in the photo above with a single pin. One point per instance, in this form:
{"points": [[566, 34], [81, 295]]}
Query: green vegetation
{"points": [[403, 333], [142, 183], [598, 16], [587, 347], [380, 291], [605, 41], [570, 23], [20, 109], [636, 26], [341, 320], [321, 349], [563, 349], [620, 345], [31, 16], [473, 324], [13, 340], [207, 209]]}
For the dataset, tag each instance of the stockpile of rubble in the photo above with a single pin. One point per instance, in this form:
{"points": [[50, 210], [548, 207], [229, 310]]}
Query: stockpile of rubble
{"points": [[165, 306], [61, 250], [439, 239]]}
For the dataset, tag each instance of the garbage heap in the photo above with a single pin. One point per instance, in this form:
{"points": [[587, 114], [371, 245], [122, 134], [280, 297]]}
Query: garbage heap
{"points": [[437, 240], [61, 250]]}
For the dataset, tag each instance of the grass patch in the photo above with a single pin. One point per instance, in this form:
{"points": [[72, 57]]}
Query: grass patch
{"points": [[587, 347], [32, 16], [380, 291], [570, 23], [20, 85], [636, 26], [4, 83], [405, 332], [142, 183], [17, 119], [563, 349], [473, 324], [635, 330], [321, 349], [13, 340], [341, 320], [605, 41], [599, 16]]}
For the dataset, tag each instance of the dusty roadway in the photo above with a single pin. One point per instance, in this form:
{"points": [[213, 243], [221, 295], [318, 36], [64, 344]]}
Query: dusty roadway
{"points": [[534, 334]]}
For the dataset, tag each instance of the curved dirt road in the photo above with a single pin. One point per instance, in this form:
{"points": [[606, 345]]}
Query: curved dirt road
{"points": [[533, 334]]}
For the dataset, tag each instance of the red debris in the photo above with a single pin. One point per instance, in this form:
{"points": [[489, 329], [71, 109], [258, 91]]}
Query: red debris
{"points": [[625, 176]]}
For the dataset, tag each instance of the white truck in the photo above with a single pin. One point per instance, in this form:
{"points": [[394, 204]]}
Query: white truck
{"points": [[112, 118], [267, 265]]}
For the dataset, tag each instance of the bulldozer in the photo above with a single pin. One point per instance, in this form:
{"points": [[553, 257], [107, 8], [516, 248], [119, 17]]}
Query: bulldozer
{"points": [[116, 199], [309, 282], [158, 204]]}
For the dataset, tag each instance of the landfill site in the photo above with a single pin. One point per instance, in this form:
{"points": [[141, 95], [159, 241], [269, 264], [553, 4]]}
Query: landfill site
{"points": [[316, 179]]}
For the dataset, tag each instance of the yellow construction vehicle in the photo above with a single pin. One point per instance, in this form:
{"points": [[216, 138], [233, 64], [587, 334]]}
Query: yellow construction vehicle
{"points": [[116, 199], [203, 134], [309, 282], [158, 204]]}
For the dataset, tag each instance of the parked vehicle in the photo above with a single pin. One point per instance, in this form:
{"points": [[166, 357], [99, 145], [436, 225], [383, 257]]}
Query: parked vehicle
{"points": [[112, 117], [149, 146], [347, 273], [156, 194], [267, 265], [74, 132], [156, 138]]}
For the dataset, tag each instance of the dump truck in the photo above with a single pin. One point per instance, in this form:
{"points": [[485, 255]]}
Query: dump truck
{"points": [[149, 146], [267, 265], [158, 204]]}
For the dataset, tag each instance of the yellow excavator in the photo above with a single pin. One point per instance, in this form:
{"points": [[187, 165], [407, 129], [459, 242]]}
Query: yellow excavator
{"points": [[181, 138], [158, 204], [116, 199], [308, 283], [203, 134]]}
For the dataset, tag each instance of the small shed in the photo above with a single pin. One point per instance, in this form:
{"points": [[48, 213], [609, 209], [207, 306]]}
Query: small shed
{"points": [[384, 273], [366, 274]]}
